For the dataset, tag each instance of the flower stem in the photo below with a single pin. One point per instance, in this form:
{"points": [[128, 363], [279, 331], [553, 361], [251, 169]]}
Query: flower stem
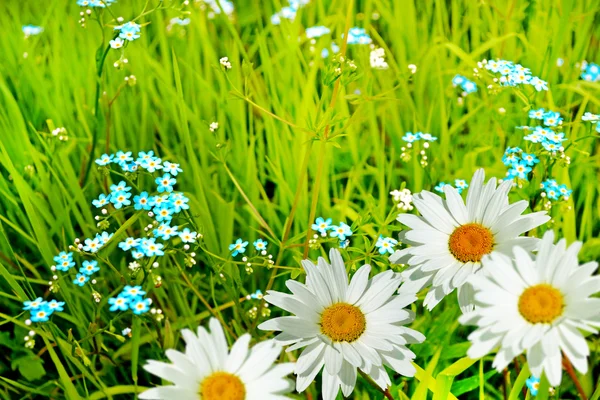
{"points": [[317, 182], [569, 368], [205, 302], [386, 393], [84, 177]]}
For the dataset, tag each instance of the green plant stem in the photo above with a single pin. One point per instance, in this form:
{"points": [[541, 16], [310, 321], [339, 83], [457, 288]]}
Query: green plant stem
{"points": [[205, 302], [385, 392], [317, 183], [84, 177], [569, 368]]}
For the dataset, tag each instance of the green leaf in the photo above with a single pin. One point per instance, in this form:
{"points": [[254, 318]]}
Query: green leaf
{"points": [[30, 366], [466, 385], [135, 350], [444, 379], [69, 388], [519, 383]]}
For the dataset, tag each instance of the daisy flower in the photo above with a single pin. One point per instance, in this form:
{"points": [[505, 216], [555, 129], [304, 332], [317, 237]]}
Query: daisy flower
{"points": [[537, 305], [207, 370], [345, 326], [450, 238]]}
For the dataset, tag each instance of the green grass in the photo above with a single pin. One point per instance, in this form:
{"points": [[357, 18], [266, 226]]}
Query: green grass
{"points": [[284, 152]]}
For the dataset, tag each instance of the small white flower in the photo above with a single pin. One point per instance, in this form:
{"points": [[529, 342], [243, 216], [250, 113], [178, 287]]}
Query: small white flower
{"points": [[214, 126], [412, 68], [377, 59], [225, 62], [117, 43]]}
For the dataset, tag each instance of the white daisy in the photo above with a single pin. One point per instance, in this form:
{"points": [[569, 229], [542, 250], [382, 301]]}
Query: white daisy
{"points": [[537, 306], [449, 240], [344, 327], [209, 371]]}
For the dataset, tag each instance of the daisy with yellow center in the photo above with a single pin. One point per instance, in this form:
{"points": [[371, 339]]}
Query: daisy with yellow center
{"points": [[207, 370], [450, 238], [344, 326], [535, 305]]}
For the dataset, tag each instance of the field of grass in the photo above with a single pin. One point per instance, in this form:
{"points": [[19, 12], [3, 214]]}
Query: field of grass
{"points": [[293, 143]]}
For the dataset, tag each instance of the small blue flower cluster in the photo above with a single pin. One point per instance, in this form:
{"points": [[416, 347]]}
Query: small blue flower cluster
{"points": [[358, 36], [515, 74], [162, 207], [32, 30], [590, 72], [64, 261], [239, 246], [334, 49], [41, 310], [519, 162], [85, 272], [554, 191], [131, 297], [95, 244], [466, 85], [95, 3], [317, 31], [227, 6], [550, 118], [179, 21], [341, 231], [459, 184], [128, 31], [410, 137], [593, 118], [550, 140], [386, 244], [288, 12], [533, 384]]}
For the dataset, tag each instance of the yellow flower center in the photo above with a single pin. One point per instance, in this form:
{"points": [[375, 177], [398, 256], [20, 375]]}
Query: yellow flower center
{"points": [[342, 322], [222, 386], [471, 242], [541, 303]]}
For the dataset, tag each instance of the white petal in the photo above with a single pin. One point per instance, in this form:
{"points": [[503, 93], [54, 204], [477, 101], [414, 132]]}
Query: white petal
{"points": [[331, 386], [358, 284], [238, 354], [456, 205]]}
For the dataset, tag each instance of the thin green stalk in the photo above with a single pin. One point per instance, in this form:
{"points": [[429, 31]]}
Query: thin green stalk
{"points": [[84, 177], [317, 183]]}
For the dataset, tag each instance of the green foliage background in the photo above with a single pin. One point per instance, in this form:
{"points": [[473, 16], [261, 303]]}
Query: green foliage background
{"points": [[268, 163]]}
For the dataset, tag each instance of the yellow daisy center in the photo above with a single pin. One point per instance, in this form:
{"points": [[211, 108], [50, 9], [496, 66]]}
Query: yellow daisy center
{"points": [[222, 386], [342, 322], [541, 303], [471, 242]]}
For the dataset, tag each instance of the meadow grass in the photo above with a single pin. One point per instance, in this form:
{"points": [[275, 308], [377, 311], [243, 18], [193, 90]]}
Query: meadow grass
{"points": [[288, 149]]}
